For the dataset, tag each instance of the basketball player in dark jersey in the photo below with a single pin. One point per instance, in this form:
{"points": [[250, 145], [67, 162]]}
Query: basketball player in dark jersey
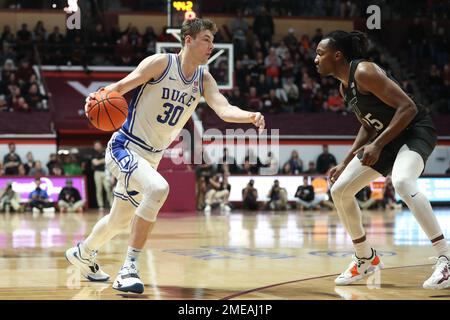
{"points": [[396, 136]]}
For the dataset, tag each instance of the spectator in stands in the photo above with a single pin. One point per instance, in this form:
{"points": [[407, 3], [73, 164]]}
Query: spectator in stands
{"points": [[334, 102], [24, 39], [228, 163], [7, 35], [99, 39], [277, 197], [3, 104], [364, 198], [448, 170], [253, 160], [30, 162], [53, 161], [19, 103], [9, 199], [236, 98], [239, 28], [22, 171], [286, 169], [273, 64], [35, 99], [311, 168], [55, 38], [39, 31], [292, 91], [254, 101], [69, 199], [11, 161], [279, 91], [124, 51], [98, 166], [291, 40], [39, 200], [317, 37], [38, 170], [305, 196], [24, 72], [263, 25], [248, 168], [272, 104], [272, 164], [389, 200], [325, 160], [296, 163], [71, 165], [218, 193], [250, 196]]}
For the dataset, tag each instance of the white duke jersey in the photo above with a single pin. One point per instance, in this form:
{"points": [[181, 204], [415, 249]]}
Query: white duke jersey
{"points": [[161, 107]]}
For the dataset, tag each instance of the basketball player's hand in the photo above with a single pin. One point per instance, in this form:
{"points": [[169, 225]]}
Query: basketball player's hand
{"points": [[336, 171], [88, 101], [89, 98], [258, 120], [370, 154]]}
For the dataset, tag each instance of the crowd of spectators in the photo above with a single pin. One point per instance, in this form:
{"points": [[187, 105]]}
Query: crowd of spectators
{"points": [[271, 76], [20, 88], [62, 164]]}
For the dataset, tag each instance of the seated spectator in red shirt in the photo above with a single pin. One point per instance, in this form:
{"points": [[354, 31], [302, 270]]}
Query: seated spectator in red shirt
{"points": [[335, 102]]}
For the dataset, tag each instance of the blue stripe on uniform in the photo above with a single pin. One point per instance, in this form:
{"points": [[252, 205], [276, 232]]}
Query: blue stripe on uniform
{"points": [[139, 142], [202, 70], [132, 107], [126, 198]]}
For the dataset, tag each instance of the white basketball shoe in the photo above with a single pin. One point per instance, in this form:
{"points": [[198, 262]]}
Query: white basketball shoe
{"points": [[440, 279], [87, 265], [128, 280], [359, 268]]}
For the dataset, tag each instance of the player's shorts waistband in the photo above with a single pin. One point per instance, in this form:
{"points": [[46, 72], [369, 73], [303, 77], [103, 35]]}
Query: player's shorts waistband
{"points": [[123, 135]]}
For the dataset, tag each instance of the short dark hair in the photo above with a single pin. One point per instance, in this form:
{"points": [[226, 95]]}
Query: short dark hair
{"points": [[195, 26], [353, 45]]}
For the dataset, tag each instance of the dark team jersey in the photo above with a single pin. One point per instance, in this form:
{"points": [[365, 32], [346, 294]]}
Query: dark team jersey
{"points": [[373, 110]]}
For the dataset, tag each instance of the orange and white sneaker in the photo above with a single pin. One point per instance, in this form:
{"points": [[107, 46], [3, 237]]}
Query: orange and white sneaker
{"points": [[359, 268], [440, 279]]}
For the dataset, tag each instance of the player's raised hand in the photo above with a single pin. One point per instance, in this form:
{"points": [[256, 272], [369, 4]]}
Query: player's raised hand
{"points": [[89, 98], [258, 121]]}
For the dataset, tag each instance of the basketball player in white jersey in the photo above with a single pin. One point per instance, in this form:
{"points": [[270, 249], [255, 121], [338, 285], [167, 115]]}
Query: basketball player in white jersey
{"points": [[168, 88]]}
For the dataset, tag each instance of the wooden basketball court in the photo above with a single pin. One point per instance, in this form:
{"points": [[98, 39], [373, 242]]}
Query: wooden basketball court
{"points": [[267, 255]]}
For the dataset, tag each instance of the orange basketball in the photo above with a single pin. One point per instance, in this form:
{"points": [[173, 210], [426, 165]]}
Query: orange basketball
{"points": [[108, 110]]}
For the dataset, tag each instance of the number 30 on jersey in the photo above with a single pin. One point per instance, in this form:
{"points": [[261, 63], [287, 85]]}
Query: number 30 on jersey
{"points": [[171, 114]]}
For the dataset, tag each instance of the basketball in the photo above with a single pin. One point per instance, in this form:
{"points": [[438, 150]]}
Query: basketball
{"points": [[107, 110]]}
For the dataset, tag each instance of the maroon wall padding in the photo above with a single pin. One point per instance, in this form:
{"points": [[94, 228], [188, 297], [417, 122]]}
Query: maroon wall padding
{"points": [[182, 196], [25, 122]]}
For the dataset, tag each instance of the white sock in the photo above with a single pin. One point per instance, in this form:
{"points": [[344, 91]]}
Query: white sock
{"points": [[363, 249], [132, 257], [442, 248]]}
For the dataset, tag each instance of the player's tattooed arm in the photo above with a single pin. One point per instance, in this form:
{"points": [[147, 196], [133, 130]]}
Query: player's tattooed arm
{"points": [[224, 110]]}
